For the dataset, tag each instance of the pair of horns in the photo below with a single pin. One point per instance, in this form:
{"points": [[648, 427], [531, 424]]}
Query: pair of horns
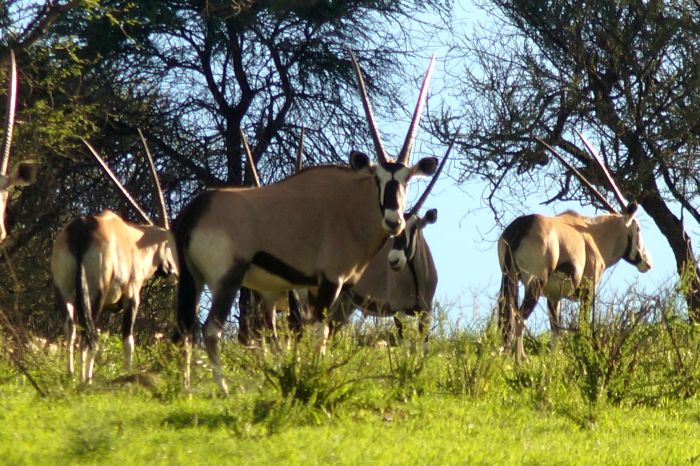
{"points": [[601, 166], [413, 128], [9, 114], [251, 159], [421, 200], [122, 189]]}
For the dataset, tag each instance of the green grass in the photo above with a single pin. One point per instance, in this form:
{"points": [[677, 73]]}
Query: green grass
{"points": [[124, 426], [624, 394]]}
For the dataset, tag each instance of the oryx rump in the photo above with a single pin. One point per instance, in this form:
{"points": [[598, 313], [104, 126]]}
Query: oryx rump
{"points": [[101, 261]]}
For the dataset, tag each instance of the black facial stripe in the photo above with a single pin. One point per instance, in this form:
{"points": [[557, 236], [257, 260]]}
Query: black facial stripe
{"points": [[637, 259], [392, 167], [275, 266], [400, 242], [391, 195]]}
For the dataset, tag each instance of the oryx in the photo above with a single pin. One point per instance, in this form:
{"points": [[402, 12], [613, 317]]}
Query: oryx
{"points": [[563, 257], [402, 278], [102, 260], [23, 173], [334, 220]]}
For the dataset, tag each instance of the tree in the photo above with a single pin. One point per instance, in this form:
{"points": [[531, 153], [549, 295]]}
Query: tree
{"points": [[189, 74], [626, 73]]}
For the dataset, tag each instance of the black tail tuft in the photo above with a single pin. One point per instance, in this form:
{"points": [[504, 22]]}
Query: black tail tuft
{"points": [[80, 232]]}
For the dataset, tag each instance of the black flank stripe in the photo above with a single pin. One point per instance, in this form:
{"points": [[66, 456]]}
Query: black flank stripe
{"points": [[275, 266]]}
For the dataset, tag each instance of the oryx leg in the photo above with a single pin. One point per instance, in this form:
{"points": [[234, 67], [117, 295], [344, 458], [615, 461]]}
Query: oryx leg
{"points": [[294, 320], [425, 320], [554, 311], [532, 294], [90, 349], [71, 334], [246, 316], [189, 294], [327, 295], [130, 308], [507, 309], [222, 300], [398, 322]]}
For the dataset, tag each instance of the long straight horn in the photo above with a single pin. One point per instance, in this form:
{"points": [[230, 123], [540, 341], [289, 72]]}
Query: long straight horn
{"points": [[601, 165], [117, 183], [405, 153], [300, 152], [580, 176], [414, 210], [381, 153], [9, 114], [251, 161], [156, 182]]}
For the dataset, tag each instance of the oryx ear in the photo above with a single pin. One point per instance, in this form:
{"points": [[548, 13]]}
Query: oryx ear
{"points": [[425, 167], [629, 212], [359, 161], [24, 173], [430, 217]]}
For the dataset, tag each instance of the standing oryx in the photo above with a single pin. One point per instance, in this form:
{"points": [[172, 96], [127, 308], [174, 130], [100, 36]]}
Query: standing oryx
{"points": [[406, 282], [563, 257], [23, 173], [101, 260], [334, 219]]}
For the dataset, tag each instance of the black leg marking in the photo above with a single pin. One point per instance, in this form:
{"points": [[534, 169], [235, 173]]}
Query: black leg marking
{"points": [[327, 295]]}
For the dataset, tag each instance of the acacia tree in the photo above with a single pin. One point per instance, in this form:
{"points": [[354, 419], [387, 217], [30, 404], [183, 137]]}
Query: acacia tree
{"points": [[625, 72], [189, 74]]}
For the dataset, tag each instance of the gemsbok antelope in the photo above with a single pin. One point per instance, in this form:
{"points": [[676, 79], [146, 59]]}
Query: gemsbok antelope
{"points": [[402, 278], [101, 261], [334, 219], [563, 256], [23, 173]]}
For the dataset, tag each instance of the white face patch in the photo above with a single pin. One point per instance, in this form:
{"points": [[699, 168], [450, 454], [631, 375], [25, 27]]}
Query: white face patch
{"points": [[397, 259], [392, 196], [638, 246]]}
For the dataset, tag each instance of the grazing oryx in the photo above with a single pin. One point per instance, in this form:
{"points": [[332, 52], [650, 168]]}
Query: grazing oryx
{"points": [[23, 173], [334, 219], [563, 257], [403, 284], [101, 260]]}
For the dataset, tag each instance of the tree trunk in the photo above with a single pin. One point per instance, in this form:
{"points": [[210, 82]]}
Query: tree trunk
{"points": [[674, 232]]}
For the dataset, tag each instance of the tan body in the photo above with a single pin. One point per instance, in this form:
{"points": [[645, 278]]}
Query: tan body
{"points": [[560, 257], [102, 260]]}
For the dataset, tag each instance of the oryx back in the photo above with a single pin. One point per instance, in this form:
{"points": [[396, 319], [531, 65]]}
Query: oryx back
{"points": [[224, 227]]}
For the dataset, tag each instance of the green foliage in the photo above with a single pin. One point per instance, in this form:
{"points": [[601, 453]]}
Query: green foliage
{"points": [[623, 382]]}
